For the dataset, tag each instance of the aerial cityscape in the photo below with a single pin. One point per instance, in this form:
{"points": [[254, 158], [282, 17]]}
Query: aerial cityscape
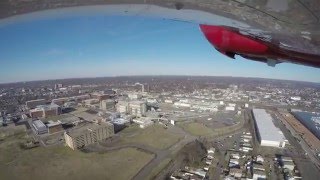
{"points": [[160, 127], [159, 90]]}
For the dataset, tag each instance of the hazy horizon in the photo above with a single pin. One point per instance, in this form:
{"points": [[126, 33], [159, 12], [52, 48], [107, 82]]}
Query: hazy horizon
{"points": [[120, 76]]}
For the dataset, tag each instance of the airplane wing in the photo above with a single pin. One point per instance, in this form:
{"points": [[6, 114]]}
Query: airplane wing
{"points": [[231, 42]]}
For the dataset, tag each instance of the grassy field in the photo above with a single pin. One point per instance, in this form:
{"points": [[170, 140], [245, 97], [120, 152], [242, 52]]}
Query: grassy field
{"points": [[155, 136], [79, 110], [61, 163], [11, 130], [197, 129]]}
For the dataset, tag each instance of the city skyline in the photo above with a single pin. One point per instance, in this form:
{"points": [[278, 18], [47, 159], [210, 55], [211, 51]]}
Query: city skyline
{"points": [[103, 46]]}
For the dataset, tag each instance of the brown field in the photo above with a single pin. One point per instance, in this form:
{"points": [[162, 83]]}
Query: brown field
{"points": [[61, 162]]}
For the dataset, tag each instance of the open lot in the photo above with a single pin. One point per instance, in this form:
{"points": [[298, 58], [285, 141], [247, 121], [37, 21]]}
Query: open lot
{"points": [[60, 162], [197, 129], [155, 136], [79, 110]]}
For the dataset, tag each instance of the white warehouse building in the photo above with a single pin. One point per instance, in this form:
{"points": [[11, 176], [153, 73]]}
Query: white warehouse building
{"points": [[268, 134]]}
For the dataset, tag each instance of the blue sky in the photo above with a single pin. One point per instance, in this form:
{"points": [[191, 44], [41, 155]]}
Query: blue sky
{"points": [[97, 45]]}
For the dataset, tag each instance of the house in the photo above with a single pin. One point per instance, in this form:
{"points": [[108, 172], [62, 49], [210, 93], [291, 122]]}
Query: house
{"points": [[258, 175], [235, 172], [259, 159], [288, 165], [235, 156], [258, 167]]}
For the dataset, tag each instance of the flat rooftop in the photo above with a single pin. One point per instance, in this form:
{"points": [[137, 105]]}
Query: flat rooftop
{"points": [[268, 131], [39, 124]]}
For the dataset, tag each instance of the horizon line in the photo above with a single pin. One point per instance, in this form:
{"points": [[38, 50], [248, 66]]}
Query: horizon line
{"points": [[115, 76]]}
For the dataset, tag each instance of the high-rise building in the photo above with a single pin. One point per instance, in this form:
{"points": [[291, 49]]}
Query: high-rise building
{"points": [[123, 107], [107, 104], [45, 111], [83, 136], [58, 86], [137, 108]]}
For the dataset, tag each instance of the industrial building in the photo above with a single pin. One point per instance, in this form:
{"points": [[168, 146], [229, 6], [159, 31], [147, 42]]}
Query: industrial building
{"points": [[39, 127], [83, 136], [107, 104], [44, 111], [268, 134], [34, 103]]}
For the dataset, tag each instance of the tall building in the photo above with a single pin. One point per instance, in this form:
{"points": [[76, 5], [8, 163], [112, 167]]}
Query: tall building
{"points": [[34, 103], [123, 107], [58, 86], [83, 136], [107, 104], [45, 111], [137, 108]]}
